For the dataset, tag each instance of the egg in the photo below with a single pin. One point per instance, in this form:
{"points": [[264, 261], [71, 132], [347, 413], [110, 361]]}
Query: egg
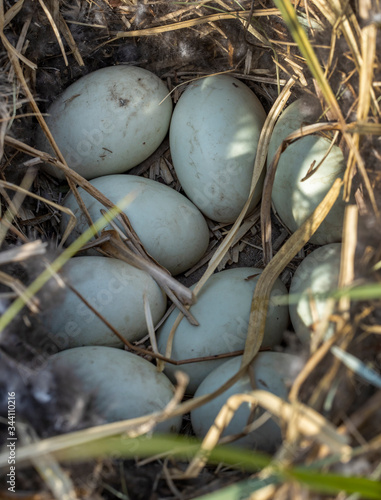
{"points": [[294, 197], [317, 274], [115, 289], [222, 310], [123, 385], [171, 228], [213, 137], [271, 372], [108, 121]]}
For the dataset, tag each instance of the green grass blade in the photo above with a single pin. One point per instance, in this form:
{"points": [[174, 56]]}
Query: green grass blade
{"points": [[369, 291], [318, 482], [334, 483], [186, 447], [241, 490], [180, 446]]}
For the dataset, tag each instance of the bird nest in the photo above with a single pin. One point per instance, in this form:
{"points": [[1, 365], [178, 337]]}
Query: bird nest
{"points": [[282, 50]]}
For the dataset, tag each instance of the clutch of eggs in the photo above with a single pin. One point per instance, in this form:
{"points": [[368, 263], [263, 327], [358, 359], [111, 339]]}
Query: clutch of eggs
{"points": [[171, 228], [108, 121], [222, 310], [294, 194], [214, 135], [115, 290]]}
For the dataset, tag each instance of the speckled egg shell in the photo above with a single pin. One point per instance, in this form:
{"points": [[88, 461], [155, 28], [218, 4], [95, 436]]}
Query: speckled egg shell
{"points": [[294, 198], [115, 289], [271, 373], [214, 134], [222, 310], [317, 274], [171, 228], [123, 384], [108, 121]]}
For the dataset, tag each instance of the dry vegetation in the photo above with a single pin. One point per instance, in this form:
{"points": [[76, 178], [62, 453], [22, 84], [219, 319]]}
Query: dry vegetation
{"points": [[332, 419]]}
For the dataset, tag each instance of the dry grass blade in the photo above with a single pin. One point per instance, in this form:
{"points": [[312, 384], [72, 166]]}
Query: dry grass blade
{"points": [[267, 279], [310, 424], [248, 25], [194, 22], [55, 29], [24, 252], [368, 50], [349, 25], [364, 128], [366, 70], [300, 37], [267, 492], [74, 178], [346, 333], [21, 291], [332, 10], [11, 12], [250, 427], [309, 367], [315, 168], [12, 52], [57, 480], [355, 154], [149, 322], [246, 225], [348, 250], [113, 246], [17, 201], [21, 43], [182, 382], [133, 427], [72, 218], [4, 111], [70, 40]]}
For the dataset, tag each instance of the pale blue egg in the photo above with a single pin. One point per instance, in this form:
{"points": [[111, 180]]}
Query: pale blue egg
{"points": [[171, 228], [273, 372], [214, 135], [318, 274], [294, 196], [108, 121], [123, 385], [115, 290], [222, 310]]}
